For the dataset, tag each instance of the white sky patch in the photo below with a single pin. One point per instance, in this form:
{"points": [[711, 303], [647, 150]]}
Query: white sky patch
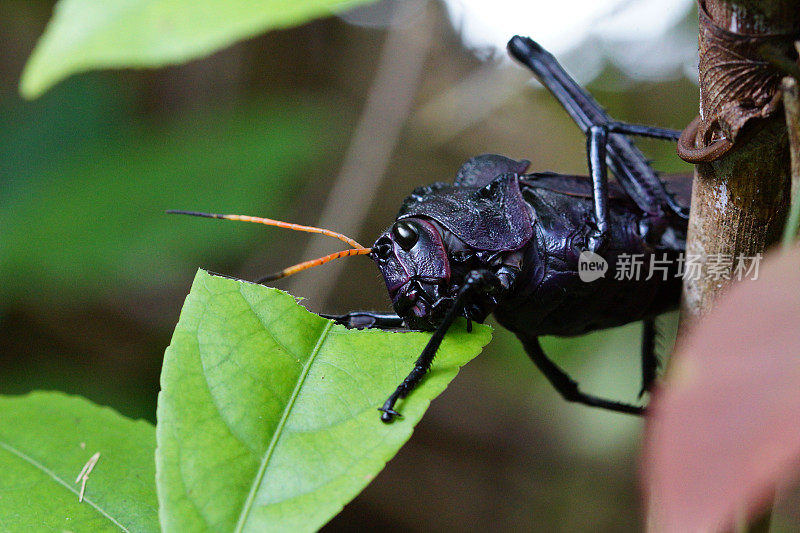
{"points": [[645, 38]]}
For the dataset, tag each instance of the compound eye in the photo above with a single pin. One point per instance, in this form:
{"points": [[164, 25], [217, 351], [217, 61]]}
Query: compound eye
{"points": [[405, 234]]}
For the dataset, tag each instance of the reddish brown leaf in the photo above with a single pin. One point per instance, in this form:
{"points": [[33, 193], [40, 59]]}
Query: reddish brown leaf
{"points": [[725, 426]]}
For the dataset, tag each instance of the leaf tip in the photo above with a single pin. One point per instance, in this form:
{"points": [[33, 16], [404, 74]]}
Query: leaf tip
{"points": [[39, 75], [29, 87]]}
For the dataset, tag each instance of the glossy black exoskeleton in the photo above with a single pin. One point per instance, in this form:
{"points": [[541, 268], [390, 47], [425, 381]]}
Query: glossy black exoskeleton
{"points": [[503, 241]]}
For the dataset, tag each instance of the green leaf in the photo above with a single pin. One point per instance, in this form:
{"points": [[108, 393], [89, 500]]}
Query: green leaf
{"points": [[86, 34], [45, 440], [267, 418]]}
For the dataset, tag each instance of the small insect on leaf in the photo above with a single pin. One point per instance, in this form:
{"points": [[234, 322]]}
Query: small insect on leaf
{"points": [[83, 477]]}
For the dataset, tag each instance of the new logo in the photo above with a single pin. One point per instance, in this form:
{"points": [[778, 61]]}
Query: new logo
{"points": [[591, 266]]}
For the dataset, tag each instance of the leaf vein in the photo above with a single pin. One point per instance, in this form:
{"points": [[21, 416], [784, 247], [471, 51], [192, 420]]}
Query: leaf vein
{"points": [[36, 464], [248, 504]]}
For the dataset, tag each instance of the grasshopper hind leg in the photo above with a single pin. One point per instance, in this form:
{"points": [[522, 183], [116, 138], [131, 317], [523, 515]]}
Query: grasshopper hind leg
{"points": [[566, 386], [649, 357]]}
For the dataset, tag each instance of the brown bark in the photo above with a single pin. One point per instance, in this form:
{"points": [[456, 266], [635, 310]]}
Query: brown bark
{"points": [[740, 200], [791, 105]]}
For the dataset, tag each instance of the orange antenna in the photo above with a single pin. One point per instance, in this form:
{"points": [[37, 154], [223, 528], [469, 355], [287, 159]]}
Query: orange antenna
{"points": [[278, 223], [314, 262]]}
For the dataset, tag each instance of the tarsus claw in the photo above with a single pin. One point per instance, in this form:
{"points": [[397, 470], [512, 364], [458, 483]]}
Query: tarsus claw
{"points": [[389, 414]]}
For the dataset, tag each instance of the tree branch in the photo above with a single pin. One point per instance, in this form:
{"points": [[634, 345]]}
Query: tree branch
{"points": [[791, 105], [739, 200]]}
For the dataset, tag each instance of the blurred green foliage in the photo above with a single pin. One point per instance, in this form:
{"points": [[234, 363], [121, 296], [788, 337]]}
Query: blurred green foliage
{"points": [[85, 35], [97, 221]]}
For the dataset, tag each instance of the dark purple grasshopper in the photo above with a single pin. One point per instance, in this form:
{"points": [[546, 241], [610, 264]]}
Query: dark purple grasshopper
{"points": [[505, 242]]}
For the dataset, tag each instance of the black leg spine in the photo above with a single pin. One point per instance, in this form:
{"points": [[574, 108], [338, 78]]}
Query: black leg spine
{"points": [[477, 280]]}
